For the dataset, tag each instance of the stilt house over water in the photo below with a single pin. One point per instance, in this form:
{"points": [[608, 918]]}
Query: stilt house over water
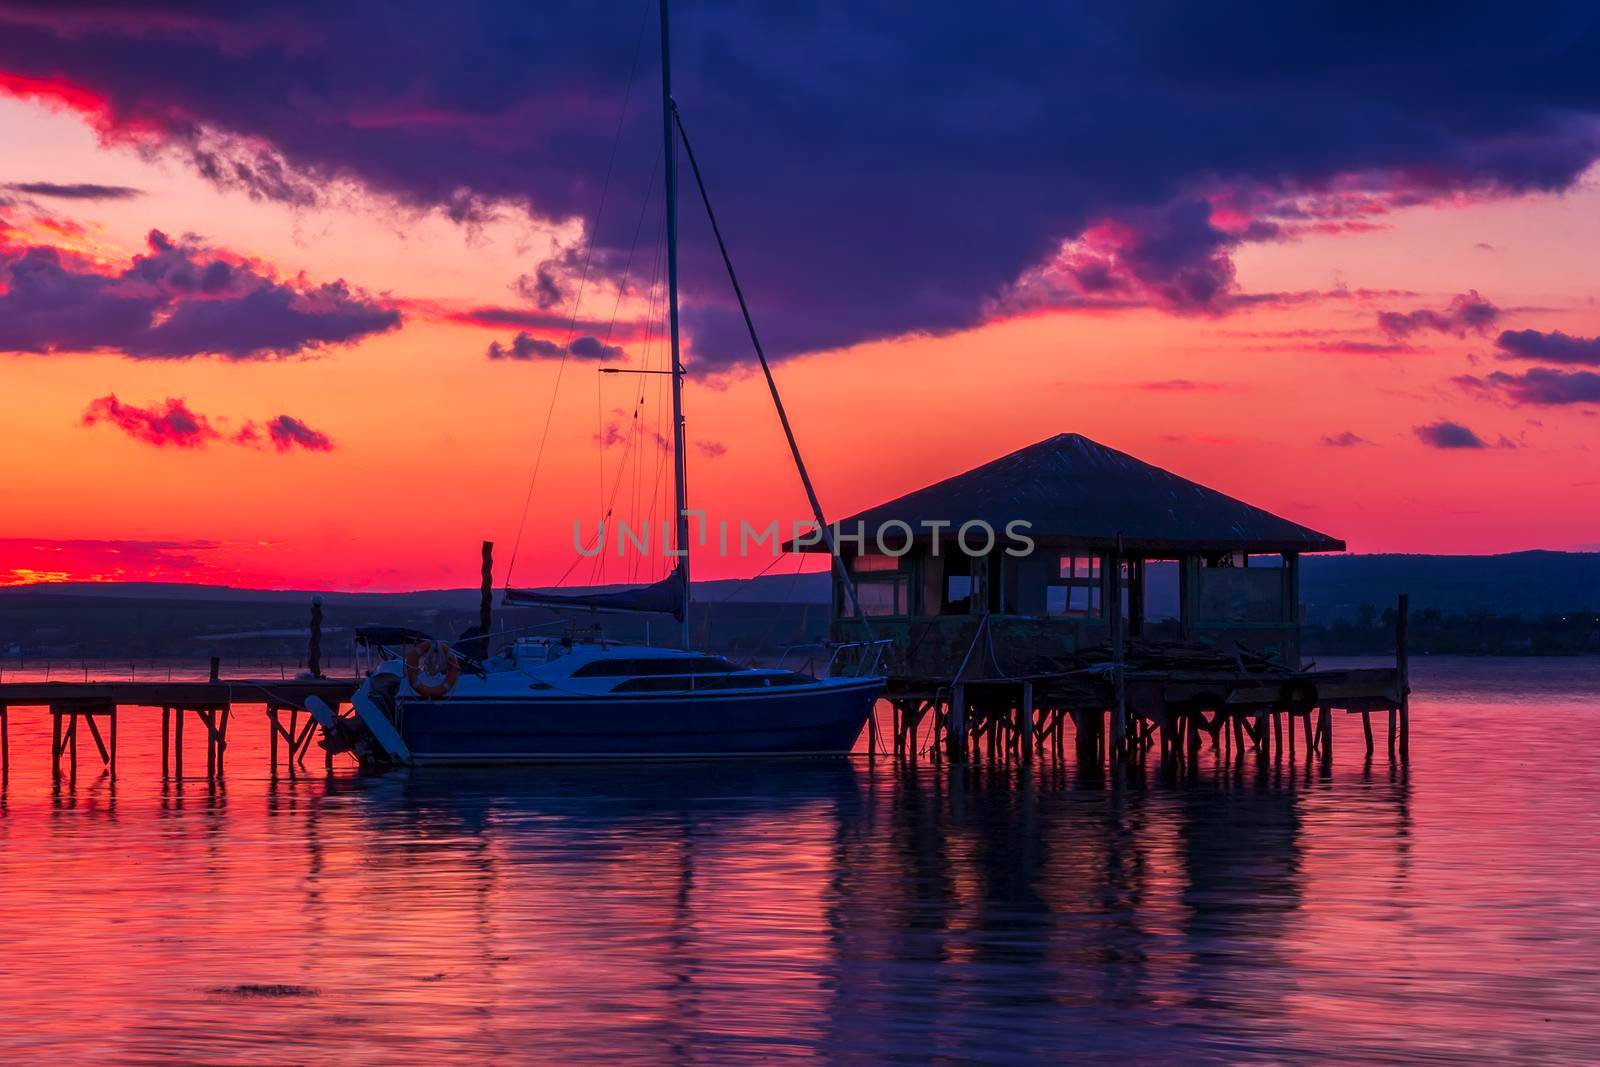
{"points": [[1120, 550]]}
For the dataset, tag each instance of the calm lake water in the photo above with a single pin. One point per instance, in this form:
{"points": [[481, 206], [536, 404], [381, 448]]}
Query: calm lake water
{"points": [[834, 910]]}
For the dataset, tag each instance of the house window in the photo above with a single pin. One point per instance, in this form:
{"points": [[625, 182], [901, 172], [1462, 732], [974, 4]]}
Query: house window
{"points": [[1077, 588], [956, 596], [884, 588]]}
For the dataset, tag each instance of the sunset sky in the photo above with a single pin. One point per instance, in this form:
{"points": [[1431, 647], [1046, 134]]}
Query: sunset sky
{"points": [[286, 295]]}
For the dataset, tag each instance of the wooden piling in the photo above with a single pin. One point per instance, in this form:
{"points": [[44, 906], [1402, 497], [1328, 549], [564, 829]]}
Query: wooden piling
{"points": [[486, 595], [1025, 721], [99, 741], [1366, 729], [957, 723], [1119, 705], [314, 645], [1402, 663], [225, 712]]}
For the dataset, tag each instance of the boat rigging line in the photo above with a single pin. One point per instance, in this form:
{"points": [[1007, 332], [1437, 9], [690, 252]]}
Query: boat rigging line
{"points": [[772, 385]]}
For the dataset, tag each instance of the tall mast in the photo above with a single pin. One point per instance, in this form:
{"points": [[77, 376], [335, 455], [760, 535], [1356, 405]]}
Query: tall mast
{"points": [[680, 489]]}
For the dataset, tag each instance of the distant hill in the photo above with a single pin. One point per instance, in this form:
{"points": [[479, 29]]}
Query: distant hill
{"points": [[1529, 584], [751, 617], [768, 589], [157, 620]]}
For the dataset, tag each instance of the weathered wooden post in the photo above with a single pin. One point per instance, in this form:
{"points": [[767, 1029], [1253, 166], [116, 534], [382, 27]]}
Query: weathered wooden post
{"points": [[1119, 709], [486, 595], [1025, 721], [222, 737], [1402, 663], [216, 669], [957, 723], [314, 650]]}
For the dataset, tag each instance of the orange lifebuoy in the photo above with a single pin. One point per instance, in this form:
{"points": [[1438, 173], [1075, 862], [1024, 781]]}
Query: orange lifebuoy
{"points": [[432, 658]]}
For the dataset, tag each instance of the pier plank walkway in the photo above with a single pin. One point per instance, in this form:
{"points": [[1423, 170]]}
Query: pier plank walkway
{"points": [[93, 704]]}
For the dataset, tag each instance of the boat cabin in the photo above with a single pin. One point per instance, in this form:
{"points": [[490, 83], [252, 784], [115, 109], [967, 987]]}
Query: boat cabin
{"points": [[1064, 545]]}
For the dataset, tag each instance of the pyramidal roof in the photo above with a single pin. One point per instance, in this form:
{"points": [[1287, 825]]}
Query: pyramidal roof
{"points": [[1079, 491]]}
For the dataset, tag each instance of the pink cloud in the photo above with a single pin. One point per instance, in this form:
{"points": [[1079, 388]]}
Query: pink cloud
{"points": [[167, 423]]}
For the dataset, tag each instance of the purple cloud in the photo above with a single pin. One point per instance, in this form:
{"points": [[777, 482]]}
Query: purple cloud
{"points": [[1552, 347], [168, 423], [1346, 439], [1173, 257], [542, 287], [525, 346], [712, 449], [1468, 312], [593, 348], [1445, 434], [288, 432], [1543, 386], [75, 190], [178, 301], [1360, 348], [956, 162]]}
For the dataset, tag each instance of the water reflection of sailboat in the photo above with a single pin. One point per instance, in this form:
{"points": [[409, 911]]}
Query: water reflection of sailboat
{"points": [[632, 797]]}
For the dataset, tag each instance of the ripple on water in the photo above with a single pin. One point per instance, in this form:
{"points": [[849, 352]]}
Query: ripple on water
{"points": [[728, 912]]}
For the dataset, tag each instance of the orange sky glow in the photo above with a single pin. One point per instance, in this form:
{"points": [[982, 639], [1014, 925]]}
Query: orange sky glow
{"points": [[428, 446]]}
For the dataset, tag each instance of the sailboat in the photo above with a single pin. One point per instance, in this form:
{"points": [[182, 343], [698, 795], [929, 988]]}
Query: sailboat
{"points": [[574, 698]]}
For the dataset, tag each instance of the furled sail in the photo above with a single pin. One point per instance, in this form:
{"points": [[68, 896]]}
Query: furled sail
{"points": [[666, 597]]}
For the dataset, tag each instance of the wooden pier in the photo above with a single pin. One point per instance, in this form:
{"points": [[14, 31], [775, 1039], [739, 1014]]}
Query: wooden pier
{"points": [[90, 712], [1166, 711]]}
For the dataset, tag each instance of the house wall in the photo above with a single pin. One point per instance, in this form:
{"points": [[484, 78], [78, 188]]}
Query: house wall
{"points": [[1255, 607]]}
